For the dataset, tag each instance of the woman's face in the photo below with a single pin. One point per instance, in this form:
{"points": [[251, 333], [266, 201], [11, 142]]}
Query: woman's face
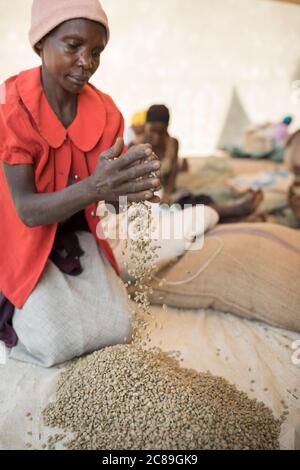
{"points": [[71, 53]]}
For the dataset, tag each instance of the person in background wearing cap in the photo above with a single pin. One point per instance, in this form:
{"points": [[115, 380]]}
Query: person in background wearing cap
{"points": [[135, 133], [61, 153]]}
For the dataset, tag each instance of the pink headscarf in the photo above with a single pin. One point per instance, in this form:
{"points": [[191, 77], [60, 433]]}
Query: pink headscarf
{"points": [[46, 15]]}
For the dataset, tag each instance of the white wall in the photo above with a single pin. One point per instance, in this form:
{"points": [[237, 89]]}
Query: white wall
{"points": [[189, 54]]}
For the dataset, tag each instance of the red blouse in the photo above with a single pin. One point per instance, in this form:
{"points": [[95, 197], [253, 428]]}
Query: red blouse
{"points": [[31, 133]]}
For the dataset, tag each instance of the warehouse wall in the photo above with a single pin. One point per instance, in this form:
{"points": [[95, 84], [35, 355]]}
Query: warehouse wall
{"points": [[194, 55]]}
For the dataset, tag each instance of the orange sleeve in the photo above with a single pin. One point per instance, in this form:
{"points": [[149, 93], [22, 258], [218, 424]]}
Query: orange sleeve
{"points": [[121, 134], [16, 137]]}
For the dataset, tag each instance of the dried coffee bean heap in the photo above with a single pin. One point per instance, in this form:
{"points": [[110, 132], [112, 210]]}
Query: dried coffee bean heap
{"points": [[125, 397]]}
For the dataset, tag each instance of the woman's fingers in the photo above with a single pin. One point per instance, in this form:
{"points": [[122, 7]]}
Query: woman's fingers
{"points": [[135, 153], [152, 157], [139, 171], [155, 200], [115, 151], [138, 186], [142, 196]]}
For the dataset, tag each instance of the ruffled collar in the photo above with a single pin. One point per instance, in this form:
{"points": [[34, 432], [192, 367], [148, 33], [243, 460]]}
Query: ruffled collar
{"points": [[88, 126]]}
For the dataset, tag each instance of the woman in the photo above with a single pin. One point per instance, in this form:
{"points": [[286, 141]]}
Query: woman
{"points": [[61, 153]]}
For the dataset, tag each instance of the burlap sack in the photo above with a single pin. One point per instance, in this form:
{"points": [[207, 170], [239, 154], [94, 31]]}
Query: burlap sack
{"points": [[66, 316], [251, 270]]}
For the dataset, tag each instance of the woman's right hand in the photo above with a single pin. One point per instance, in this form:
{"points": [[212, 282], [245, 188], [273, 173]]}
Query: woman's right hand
{"points": [[127, 175]]}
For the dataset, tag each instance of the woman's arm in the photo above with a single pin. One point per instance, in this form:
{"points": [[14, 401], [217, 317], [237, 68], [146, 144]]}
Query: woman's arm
{"points": [[43, 209], [113, 177]]}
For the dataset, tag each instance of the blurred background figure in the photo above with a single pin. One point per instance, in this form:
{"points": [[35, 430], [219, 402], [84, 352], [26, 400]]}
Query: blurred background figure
{"points": [[281, 132], [166, 148], [292, 158], [239, 205], [135, 133], [264, 141]]}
